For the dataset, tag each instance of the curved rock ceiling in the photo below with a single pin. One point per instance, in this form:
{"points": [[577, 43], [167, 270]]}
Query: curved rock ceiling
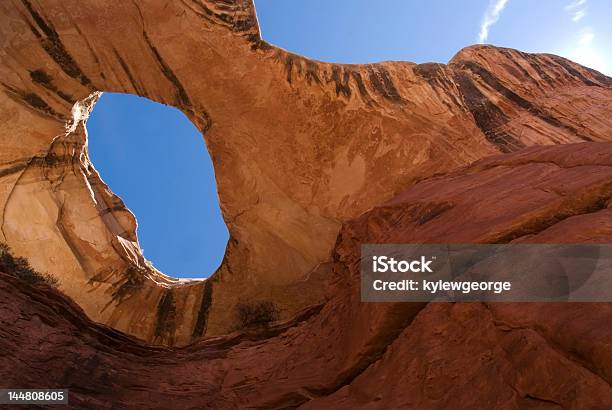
{"points": [[298, 146], [312, 159]]}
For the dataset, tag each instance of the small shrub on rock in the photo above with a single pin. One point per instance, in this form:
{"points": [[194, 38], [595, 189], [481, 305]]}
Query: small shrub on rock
{"points": [[21, 268], [256, 314]]}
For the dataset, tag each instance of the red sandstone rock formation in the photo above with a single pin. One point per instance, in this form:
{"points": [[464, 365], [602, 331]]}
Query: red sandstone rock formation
{"points": [[312, 159], [348, 354], [298, 146]]}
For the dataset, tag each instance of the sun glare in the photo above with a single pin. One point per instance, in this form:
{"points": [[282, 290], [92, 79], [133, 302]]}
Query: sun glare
{"points": [[587, 53]]}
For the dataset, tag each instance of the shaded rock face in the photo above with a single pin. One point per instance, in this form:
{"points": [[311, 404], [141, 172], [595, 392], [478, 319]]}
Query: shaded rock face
{"points": [[348, 354], [299, 146], [312, 159]]}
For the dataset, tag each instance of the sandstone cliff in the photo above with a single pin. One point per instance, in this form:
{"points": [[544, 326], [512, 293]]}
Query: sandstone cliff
{"points": [[348, 354], [299, 146]]}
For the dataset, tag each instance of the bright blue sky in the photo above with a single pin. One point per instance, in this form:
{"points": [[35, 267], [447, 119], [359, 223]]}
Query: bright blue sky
{"points": [[156, 160], [361, 31]]}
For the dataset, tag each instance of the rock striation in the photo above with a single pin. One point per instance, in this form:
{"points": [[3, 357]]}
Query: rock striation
{"points": [[299, 146]]}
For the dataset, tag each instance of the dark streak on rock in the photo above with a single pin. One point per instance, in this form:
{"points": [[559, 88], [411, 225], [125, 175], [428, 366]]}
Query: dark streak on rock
{"points": [[494, 83], [126, 68], [381, 82], [536, 66], [52, 44], [204, 12], [489, 118], [201, 323], [567, 66], [430, 72], [602, 78], [201, 119], [33, 101], [38, 103], [239, 14], [88, 44], [42, 78], [46, 161], [66, 97], [427, 71], [181, 94], [361, 85], [516, 66], [435, 74], [91, 50], [132, 280], [14, 169], [544, 402], [289, 67], [312, 72], [166, 317], [51, 160], [257, 43], [236, 15], [341, 78]]}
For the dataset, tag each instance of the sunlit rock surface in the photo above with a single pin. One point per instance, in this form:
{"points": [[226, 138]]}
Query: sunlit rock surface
{"points": [[311, 159]]}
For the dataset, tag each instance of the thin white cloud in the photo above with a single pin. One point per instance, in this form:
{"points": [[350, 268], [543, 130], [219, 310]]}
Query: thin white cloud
{"points": [[577, 16], [576, 10], [575, 4], [491, 17]]}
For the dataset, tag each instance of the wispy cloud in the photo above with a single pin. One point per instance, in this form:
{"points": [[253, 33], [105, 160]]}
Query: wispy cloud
{"points": [[575, 4], [577, 16], [576, 10], [491, 17]]}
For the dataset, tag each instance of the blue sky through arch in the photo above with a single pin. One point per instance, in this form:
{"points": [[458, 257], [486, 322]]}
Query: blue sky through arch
{"points": [[156, 160]]}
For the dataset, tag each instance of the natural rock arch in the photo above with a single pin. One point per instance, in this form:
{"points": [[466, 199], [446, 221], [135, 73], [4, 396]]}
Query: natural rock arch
{"points": [[299, 146]]}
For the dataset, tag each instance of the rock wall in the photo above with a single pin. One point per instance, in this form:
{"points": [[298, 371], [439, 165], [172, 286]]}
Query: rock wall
{"points": [[345, 354], [300, 147]]}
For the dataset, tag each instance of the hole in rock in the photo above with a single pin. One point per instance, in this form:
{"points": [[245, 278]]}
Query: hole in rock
{"points": [[156, 160]]}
